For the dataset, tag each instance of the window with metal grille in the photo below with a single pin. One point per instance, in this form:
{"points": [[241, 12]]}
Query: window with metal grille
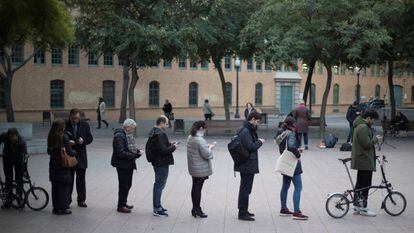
{"points": [[193, 64], [108, 60], [108, 93], [268, 67], [73, 55], [204, 65], [57, 56], [154, 94], [250, 64], [182, 62], [227, 62], [193, 95], [18, 54], [258, 66], [57, 94], [167, 64], [93, 58], [258, 94], [39, 57]]}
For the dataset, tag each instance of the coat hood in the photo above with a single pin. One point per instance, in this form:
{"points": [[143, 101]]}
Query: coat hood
{"points": [[119, 130], [155, 131], [359, 121]]}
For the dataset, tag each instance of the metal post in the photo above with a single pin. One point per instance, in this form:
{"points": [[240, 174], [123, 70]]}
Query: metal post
{"points": [[358, 87], [237, 115]]}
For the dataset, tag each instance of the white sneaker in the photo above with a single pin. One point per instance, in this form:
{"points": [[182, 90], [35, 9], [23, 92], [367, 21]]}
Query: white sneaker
{"points": [[367, 212]]}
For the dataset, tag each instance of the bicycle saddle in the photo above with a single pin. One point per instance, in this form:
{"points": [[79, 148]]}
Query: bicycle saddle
{"points": [[345, 160]]}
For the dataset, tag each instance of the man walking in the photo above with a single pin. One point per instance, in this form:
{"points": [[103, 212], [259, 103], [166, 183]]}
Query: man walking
{"points": [[363, 159], [80, 135], [251, 142], [302, 115], [161, 150], [351, 115]]}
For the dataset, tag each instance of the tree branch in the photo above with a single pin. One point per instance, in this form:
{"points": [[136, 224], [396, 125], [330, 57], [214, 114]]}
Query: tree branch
{"points": [[23, 63]]}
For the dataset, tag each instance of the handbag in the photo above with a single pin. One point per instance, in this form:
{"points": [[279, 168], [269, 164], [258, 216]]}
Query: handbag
{"points": [[66, 160], [238, 153], [286, 163]]}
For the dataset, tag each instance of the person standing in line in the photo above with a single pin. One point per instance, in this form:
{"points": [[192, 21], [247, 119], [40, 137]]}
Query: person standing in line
{"points": [[302, 115], [208, 112], [249, 109], [125, 152], [251, 142], [60, 177], [167, 108], [161, 150], [289, 137], [351, 115], [199, 155], [14, 150], [101, 111], [363, 159], [79, 134]]}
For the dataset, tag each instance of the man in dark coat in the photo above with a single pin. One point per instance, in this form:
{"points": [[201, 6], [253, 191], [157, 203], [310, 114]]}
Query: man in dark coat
{"points": [[351, 115], [123, 158], [79, 134], [252, 143], [161, 149], [302, 116], [167, 108]]}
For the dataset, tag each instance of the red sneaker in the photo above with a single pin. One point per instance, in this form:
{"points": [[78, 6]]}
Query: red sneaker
{"points": [[285, 212], [299, 216]]}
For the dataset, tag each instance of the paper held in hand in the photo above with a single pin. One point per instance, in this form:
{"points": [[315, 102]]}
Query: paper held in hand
{"points": [[286, 163]]}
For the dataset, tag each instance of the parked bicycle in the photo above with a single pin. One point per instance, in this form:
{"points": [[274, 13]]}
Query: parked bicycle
{"points": [[394, 203]]}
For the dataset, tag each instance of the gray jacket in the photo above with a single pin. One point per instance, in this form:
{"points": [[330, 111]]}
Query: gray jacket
{"points": [[207, 109], [199, 157]]}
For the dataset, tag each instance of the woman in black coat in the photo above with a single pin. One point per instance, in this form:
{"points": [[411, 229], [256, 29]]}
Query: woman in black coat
{"points": [[59, 176], [13, 154]]}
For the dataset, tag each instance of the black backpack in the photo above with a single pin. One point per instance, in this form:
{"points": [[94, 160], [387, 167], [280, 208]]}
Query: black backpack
{"points": [[238, 153], [330, 140], [346, 147], [148, 152]]}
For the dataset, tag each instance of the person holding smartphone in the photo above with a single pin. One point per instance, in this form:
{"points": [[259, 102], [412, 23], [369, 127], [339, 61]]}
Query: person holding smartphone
{"points": [[199, 156]]}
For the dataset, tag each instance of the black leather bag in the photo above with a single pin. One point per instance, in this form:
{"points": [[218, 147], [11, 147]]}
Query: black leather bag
{"points": [[238, 153]]}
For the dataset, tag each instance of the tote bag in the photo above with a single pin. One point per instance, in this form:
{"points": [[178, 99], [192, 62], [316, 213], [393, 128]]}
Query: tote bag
{"points": [[286, 163]]}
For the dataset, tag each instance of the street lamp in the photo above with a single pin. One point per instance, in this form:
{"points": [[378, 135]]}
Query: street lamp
{"points": [[237, 64], [358, 87]]}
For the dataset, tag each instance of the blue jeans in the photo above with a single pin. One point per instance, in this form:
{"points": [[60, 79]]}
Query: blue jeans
{"points": [[297, 182], [161, 175]]}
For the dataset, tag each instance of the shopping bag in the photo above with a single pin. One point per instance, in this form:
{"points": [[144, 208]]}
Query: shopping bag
{"points": [[286, 163]]}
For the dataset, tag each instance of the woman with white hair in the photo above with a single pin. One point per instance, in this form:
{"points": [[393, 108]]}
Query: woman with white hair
{"points": [[125, 152]]}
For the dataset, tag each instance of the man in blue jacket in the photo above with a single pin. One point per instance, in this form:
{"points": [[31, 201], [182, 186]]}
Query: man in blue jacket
{"points": [[252, 143]]}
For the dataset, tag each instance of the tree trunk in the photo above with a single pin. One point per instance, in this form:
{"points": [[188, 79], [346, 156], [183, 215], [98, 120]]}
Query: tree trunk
{"points": [[125, 84], [391, 86], [223, 88], [131, 95], [8, 99], [324, 101], [309, 80]]}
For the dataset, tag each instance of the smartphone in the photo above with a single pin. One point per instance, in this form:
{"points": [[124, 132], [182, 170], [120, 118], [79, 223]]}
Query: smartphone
{"points": [[214, 143], [177, 143]]}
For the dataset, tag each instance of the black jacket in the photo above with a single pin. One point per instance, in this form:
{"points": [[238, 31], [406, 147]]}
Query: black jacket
{"points": [[121, 156], [161, 148], [167, 108], [84, 131], [250, 141], [351, 114], [57, 173], [246, 112], [13, 154]]}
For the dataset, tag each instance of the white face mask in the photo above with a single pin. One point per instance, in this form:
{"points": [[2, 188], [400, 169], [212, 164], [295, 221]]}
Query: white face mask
{"points": [[200, 133]]}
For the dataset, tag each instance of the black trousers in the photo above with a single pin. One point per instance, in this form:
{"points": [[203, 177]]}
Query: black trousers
{"points": [[196, 191], [60, 195], [80, 184], [305, 138], [99, 121], [125, 182], [351, 130], [8, 168], [246, 185], [364, 179], [207, 116]]}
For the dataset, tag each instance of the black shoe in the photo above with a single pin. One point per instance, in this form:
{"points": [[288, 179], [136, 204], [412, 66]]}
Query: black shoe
{"points": [[245, 217], [129, 207], [6, 206], [98, 127], [82, 204], [198, 213], [123, 210], [61, 212], [250, 214]]}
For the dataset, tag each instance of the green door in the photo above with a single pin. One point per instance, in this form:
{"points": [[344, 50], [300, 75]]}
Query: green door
{"points": [[286, 99], [398, 95]]}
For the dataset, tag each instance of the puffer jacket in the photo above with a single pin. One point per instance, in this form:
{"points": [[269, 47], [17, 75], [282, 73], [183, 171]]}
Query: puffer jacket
{"points": [[199, 157], [250, 142], [363, 146]]}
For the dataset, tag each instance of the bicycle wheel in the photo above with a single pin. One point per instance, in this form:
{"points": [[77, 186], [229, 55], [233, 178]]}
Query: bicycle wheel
{"points": [[37, 198], [337, 205], [394, 203], [17, 197]]}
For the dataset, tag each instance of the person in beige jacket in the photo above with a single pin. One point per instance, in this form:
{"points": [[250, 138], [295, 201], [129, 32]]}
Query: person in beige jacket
{"points": [[199, 155]]}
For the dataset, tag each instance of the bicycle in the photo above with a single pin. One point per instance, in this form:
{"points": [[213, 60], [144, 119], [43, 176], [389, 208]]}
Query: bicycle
{"points": [[15, 197], [394, 203]]}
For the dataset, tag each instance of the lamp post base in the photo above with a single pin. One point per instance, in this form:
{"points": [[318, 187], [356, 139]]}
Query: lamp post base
{"points": [[237, 115]]}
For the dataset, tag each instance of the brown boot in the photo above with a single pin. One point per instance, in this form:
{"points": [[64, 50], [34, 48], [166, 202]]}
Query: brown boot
{"points": [[123, 210]]}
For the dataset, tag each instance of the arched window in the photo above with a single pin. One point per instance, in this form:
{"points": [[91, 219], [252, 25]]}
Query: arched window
{"points": [[57, 94], [313, 93], [336, 94], [154, 94], [229, 92], [377, 91], [2, 93], [258, 94], [108, 93], [193, 95]]}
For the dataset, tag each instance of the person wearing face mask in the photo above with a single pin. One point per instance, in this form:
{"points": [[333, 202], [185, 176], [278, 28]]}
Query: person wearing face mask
{"points": [[124, 154], [251, 142], [13, 153], [199, 156], [249, 109]]}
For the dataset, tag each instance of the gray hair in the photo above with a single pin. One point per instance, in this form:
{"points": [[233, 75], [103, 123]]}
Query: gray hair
{"points": [[129, 122]]}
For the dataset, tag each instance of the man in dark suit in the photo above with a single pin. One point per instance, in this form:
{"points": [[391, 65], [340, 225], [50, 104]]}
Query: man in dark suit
{"points": [[80, 135]]}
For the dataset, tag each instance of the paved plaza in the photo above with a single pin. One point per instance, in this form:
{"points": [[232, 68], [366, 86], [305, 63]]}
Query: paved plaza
{"points": [[323, 174]]}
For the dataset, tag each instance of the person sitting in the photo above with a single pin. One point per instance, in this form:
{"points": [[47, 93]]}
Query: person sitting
{"points": [[399, 122]]}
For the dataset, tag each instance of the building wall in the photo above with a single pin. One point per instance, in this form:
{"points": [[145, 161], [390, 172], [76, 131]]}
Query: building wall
{"points": [[83, 86]]}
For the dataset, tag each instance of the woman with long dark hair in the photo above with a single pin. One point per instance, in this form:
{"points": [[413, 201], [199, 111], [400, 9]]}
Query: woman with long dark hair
{"points": [[59, 176], [199, 155], [13, 155]]}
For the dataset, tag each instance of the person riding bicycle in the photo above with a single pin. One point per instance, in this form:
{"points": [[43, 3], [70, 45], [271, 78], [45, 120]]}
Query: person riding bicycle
{"points": [[13, 154], [363, 159]]}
